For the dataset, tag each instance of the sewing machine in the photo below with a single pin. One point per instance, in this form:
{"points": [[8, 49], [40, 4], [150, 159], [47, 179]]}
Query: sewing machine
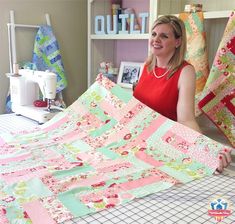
{"points": [[25, 87]]}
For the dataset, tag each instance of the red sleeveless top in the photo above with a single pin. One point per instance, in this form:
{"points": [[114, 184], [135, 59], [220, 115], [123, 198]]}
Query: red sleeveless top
{"points": [[160, 94]]}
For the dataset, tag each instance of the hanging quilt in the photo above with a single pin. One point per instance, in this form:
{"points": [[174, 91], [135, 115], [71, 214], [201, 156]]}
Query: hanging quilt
{"points": [[196, 52], [218, 98], [46, 55], [106, 149]]}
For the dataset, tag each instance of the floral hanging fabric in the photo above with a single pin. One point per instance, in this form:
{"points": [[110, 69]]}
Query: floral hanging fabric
{"points": [[196, 50]]}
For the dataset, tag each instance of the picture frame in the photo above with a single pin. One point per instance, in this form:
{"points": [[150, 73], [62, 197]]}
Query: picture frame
{"points": [[129, 72]]}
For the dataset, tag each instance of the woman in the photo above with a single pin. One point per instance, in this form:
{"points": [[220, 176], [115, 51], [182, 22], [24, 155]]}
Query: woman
{"points": [[168, 82]]}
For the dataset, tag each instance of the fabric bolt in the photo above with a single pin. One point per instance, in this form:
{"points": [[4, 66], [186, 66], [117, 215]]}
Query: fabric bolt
{"points": [[196, 52], [218, 97], [85, 160]]}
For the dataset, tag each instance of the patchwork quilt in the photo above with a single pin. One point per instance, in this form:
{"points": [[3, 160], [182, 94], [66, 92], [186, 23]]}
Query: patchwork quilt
{"points": [[218, 97], [106, 149], [196, 52]]}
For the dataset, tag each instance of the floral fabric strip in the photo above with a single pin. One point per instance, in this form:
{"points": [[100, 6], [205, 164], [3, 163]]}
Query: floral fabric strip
{"points": [[196, 50]]}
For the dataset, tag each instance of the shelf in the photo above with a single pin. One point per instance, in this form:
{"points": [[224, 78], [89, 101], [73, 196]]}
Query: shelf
{"points": [[215, 14], [144, 36]]}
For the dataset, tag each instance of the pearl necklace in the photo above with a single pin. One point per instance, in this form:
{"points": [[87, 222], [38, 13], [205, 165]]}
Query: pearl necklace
{"points": [[160, 76]]}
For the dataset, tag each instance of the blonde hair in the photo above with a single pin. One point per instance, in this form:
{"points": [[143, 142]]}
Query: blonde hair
{"points": [[179, 32]]}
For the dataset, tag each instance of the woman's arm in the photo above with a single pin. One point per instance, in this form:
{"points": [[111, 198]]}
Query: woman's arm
{"points": [[186, 111], [185, 105]]}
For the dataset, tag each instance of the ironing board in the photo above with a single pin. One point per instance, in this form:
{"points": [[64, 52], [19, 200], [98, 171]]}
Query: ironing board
{"points": [[188, 203]]}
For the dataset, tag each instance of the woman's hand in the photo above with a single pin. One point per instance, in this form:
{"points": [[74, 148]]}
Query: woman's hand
{"points": [[225, 159]]}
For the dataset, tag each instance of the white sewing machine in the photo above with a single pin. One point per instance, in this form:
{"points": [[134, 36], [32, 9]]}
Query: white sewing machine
{"points": [[25, 88]]}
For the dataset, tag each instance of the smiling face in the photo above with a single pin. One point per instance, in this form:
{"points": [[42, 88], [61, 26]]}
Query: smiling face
{"points": [[163, 41]]}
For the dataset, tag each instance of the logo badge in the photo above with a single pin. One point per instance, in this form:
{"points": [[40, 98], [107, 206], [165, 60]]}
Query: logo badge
{"points": [[219, 208]]}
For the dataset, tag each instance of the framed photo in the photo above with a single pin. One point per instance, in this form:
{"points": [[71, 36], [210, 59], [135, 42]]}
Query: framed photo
{"points": [[129, 73]]}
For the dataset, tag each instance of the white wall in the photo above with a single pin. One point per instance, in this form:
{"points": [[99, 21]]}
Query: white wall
{"points": [[69, 23]]}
